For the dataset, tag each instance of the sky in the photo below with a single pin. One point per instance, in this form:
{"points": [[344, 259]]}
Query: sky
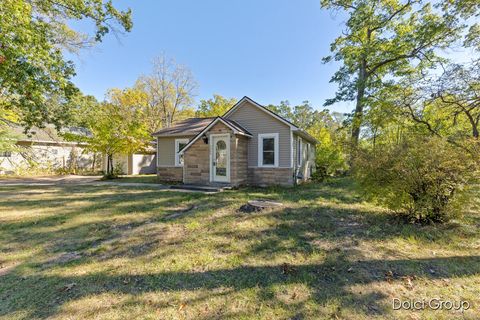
{"points": [[269, 50]]}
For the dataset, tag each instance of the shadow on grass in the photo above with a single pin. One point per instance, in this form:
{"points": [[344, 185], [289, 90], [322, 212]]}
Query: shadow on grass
{"points": [[295, 229], [324, 283]]}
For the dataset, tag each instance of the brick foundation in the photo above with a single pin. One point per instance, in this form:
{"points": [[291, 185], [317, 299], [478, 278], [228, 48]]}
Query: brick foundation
{"points": [[270, 176]]}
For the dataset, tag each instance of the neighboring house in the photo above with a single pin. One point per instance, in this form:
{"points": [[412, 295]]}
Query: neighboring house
{"points": [[248, 145], [44, 149]]}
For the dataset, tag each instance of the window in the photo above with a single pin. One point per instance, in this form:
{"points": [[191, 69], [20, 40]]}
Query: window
{"points": [[268, 150], [5, 154], [299, 152], [179, 144]]}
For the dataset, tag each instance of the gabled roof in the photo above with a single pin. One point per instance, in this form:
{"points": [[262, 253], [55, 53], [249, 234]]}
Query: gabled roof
{"points": [[236, 128], [294, 128], [256, 104], [195, 126], [48, 134], [191, 126]]}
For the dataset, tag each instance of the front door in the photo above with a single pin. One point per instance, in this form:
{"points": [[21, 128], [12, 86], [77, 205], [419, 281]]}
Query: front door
{"points": [[220, 166]]}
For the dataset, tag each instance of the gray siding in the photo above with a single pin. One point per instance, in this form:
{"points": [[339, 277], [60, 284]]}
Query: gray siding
{"points": [[166, 150], [257, 121]]}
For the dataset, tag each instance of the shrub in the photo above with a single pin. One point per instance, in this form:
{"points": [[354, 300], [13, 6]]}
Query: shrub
{"points": [[425, 179], [116, 172], [329, 158]]}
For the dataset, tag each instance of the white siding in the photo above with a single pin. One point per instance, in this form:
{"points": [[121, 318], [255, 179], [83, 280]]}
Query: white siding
{"points": [[47, 157], [143, 164]]}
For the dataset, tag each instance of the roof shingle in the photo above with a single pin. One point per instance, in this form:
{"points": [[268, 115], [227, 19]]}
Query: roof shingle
{"points": [[191, 126]]}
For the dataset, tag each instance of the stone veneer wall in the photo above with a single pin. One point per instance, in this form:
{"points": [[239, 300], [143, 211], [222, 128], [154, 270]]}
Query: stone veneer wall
{"points": [[173, 174], [197, 163], [196, 167], [239, 160], [197, 158], [270, 176]]}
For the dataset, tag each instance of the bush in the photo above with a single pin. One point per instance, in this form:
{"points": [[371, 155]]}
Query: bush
{"points": [[329, 156], [424, 179], [116, 172]]}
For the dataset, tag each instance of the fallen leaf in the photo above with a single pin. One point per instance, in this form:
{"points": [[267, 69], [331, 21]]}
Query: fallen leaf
{"points": [[182, 306]]}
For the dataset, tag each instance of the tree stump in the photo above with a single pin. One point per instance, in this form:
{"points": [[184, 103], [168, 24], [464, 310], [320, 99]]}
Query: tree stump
{"points": [[259, 205]]}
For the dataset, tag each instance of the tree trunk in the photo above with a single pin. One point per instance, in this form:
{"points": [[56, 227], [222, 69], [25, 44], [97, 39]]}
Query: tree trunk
{"points": [[109, 164], [358, 114]]}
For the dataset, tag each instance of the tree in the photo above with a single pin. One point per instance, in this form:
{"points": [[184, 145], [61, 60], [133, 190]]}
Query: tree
{"points": [[327, 128], [283, 109], [384, 40], [116, 126], [116, 129], [445, 105], [169, 91], [458, 91], [34, 74], [217, 106]]}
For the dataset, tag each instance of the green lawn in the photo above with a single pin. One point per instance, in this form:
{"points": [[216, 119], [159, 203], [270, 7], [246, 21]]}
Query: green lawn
{"points": [[145, 178], [113, 252]]}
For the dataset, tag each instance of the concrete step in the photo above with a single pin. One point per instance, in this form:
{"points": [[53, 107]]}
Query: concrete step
{"points": [[197, 187]]}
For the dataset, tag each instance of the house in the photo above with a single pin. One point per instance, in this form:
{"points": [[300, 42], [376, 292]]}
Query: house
{"points": [[45, 150], [248, 145]]}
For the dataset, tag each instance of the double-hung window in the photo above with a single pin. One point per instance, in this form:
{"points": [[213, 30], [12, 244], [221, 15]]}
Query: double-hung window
{"points": [[268, 150], [179, 144]]}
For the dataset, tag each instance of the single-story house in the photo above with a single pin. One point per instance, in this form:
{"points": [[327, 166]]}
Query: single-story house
{"points": [[248, 145], [45, 150]]}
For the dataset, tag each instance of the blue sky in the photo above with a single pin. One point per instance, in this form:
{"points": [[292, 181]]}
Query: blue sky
{"points": [[269, 50]]}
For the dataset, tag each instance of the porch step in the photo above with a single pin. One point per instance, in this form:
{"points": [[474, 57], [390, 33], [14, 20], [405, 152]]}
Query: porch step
{"points": [[197, 187]]}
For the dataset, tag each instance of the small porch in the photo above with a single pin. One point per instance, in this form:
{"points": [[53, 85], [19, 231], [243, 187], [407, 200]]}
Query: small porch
{"points": [[217, 156]]}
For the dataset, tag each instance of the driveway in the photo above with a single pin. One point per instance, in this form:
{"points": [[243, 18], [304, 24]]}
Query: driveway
{"points": [[93, 181], [48, 180]]}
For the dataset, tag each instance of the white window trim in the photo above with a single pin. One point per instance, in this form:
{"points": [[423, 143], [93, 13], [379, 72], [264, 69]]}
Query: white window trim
{"points": [[177, 154], [211, 156], [262, 136]]}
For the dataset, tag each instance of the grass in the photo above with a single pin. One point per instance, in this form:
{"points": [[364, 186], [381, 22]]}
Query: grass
{"points": [[114, 252], [145, 178]]}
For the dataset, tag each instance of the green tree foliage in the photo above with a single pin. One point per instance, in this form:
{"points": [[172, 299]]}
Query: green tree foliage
{"points": [[283, 109], [445, 105], [384, 40], [426, 179], [217, 106], [116, 127], [326, 128], [34, 74]]}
